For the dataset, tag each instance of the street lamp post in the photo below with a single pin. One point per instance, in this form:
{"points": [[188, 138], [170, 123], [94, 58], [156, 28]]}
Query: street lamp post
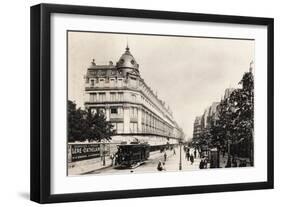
{"points": [[103, 161], [180, 164]]}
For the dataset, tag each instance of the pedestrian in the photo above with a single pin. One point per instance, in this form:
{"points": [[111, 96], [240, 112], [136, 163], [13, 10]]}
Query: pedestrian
{"points": [[163, 166], [174, 151], [199, 153], [116, 158], [187, 156], [202, 164], [195, 153], [205, 163], [228, 164], [234, 163], [165, 156], [159, 166], [112, 159], [191, 158]]}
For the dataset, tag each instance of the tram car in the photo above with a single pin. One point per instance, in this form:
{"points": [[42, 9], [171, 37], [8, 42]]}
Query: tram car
{"points": [[132, 155]]}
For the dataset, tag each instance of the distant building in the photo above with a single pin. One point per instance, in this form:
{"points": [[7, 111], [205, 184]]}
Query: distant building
{"points": [[197, 127], [129, 103], [242, 147], [210, 114], [214, 113], [205, 117], [228, 92], [209, 117]]}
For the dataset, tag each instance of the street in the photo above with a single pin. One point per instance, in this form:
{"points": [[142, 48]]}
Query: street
{"points": [[171, 164]]}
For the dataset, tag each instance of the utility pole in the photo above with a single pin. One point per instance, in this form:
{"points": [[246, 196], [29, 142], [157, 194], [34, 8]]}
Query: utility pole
{"points": [[180, 164]]}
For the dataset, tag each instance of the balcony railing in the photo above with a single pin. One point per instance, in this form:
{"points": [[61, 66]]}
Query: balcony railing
{"points": [[89, 87]]}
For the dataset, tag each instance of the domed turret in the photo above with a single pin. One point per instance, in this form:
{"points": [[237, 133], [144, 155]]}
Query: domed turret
{"points": [[128, 62]]}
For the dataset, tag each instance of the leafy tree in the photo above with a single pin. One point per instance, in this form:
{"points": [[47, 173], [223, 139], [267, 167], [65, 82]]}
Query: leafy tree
{"points": [[83, 125], [246, 116], [221, 129], [75, 122], [97, 128], [236, 118], [204, 138], [217, 136]]}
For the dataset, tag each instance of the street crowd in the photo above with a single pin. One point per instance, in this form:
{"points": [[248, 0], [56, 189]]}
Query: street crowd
{"points": [[190, 156]]}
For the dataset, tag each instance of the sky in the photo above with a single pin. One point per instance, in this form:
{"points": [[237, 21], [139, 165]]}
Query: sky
{"points": [[188, 73]]}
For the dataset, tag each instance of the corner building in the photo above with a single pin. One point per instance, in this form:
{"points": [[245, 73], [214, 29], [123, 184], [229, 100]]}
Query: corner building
{"points": [[129, 103]]}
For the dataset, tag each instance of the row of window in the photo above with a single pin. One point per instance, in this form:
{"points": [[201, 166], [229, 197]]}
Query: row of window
{"points": [[116, 96], [155, 100], [113, 82], [103, 72], [113, 96], [97, 97], [155, 122], [119, 127], [149, 122], [150, 129], [114, 111], [101, 82], [147, 102]]}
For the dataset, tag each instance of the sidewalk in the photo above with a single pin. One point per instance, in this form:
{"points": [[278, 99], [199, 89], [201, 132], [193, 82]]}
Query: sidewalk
{"points": [[87, 166], [173, 161]]}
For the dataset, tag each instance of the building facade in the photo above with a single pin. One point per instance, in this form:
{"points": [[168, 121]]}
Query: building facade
{"points": [[210, 116], [197, 127], [228, 92], [129, 103]]}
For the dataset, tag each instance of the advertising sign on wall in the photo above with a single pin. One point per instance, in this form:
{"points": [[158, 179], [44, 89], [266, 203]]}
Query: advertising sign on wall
{"points": [[84, 151]]}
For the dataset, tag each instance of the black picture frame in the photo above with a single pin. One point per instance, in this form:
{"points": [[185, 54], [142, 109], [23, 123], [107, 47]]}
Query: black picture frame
{"points": [[41, 98]]}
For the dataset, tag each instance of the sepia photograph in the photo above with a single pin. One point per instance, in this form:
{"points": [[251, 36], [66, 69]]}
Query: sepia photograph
{"points": [[129, 103], [144, 103]]}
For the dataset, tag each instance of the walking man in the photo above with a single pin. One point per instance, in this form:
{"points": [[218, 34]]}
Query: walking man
{"points": [[187, 155], [202, 164], [112, 159], [191, 158], [165, 156]]}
